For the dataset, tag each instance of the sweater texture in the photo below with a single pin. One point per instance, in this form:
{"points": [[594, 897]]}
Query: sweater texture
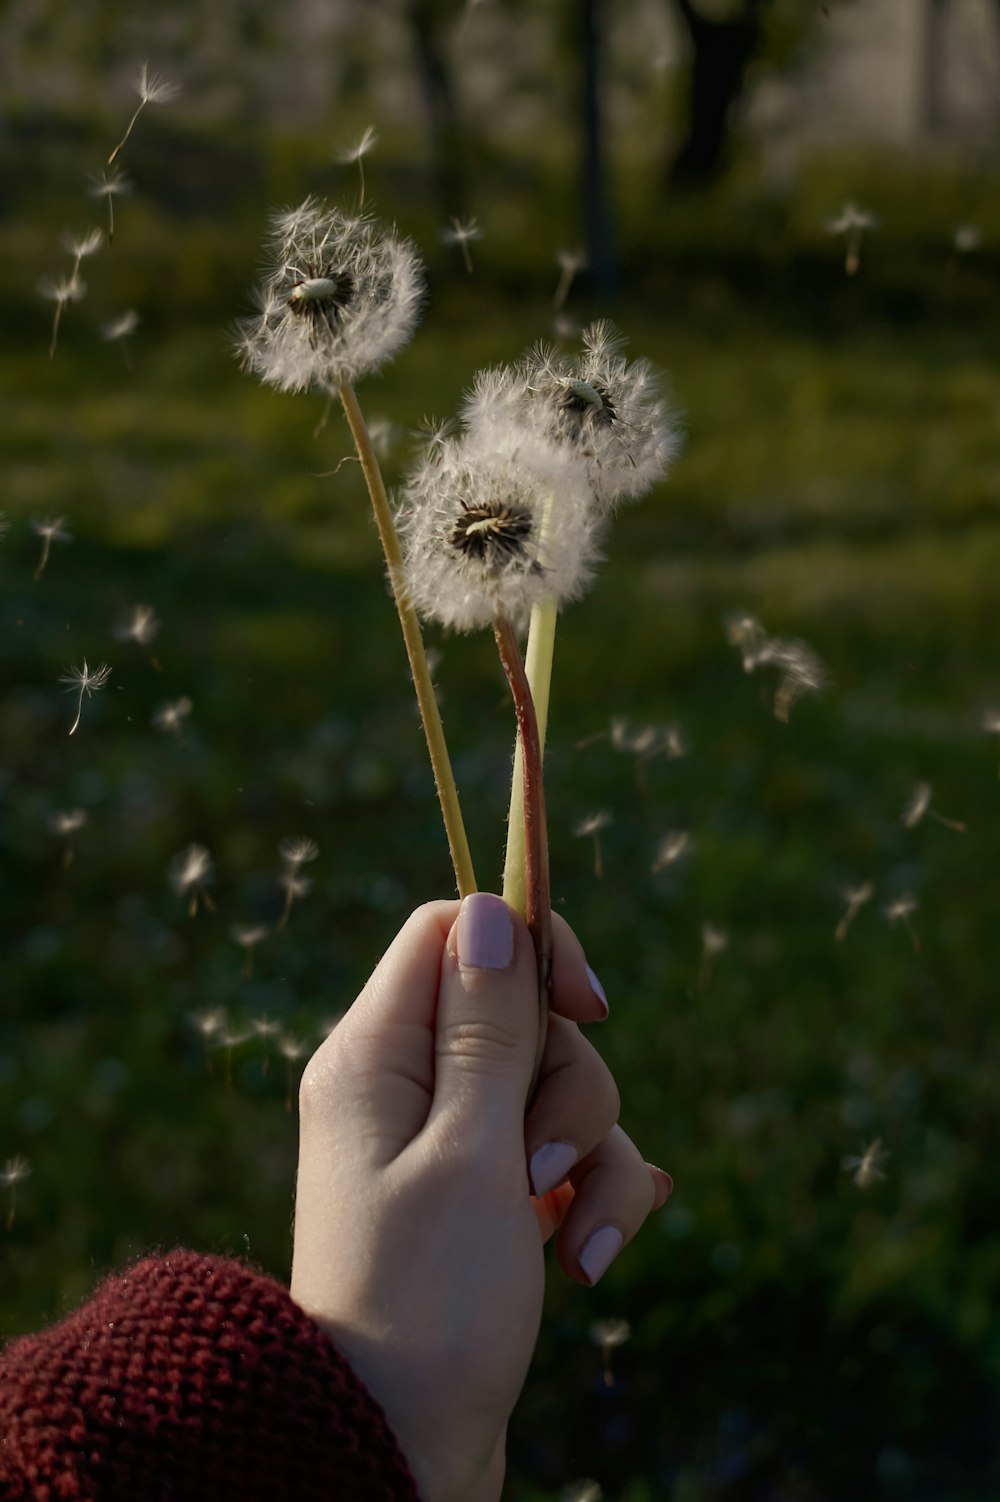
{"points": [[188, 1378]]}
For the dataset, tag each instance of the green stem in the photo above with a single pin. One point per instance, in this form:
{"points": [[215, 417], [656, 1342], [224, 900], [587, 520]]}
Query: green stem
{"points": [[430, 715], [538, 667]]}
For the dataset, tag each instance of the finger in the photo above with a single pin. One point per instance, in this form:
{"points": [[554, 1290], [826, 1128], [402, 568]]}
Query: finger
{"points": [[613, 1194], [575, 1106], [576, 991], [551, 1209]]}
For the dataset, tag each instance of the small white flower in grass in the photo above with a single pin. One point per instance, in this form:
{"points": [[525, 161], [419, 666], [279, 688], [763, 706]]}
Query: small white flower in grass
{"points": [[901, 910], [855, 897], [590, 828], [170, 717], [852, 222], [340, 298], [672, 848], [65, 290], [152, 89], [109, 186], [138, 624], [607, 410], [920, 805], [479, 539], [462, 233], [367, 141], [84, 680], [191, 871], [14, 1172], [868, 1166]]}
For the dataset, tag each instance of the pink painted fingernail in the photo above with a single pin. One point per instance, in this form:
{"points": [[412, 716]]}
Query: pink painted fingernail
{"points": [[599, 1251], [485, 933], [550, 1164], [598, 990]]}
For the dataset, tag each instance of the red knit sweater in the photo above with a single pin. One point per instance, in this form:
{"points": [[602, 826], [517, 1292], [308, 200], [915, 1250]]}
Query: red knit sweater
{"points": [[188, 1378]]}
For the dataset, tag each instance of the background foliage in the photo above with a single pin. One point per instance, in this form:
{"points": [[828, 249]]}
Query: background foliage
{"points": [[793, 1335]]}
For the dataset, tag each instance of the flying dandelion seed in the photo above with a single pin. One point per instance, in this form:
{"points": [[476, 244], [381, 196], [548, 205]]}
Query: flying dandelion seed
{"points": [[852, 222], [119, 331], [590, 827], [462, 233], [14, 1172], [966, 239], [151, 90], [920, 805], [295, 886], [49, 532], [855, 897], [584, 1490], [109, 186], [139, 624], [248, 937], [297, 850], [747, 634], [82, 681], [230, 1039], [672, 848], [265, 1028], [66, 824], [608, 1335], [66, 290], [170, 717], [357, 153], [209, 1025], [901, 910], [800, 668], [569, 262], [291, 1049], [191, 871], [714, 941], [80, 247], [868, 1166]]}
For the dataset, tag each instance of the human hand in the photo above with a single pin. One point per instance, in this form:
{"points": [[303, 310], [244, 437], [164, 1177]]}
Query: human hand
{"points": [[417, 1239]]}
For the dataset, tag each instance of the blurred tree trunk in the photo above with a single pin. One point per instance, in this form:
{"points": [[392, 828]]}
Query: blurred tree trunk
{"points": [[429, 21], [722, 51], [598, 230]]}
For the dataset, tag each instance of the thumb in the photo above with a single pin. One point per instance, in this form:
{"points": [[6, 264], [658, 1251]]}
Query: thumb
{"points": [[487, 1018]]}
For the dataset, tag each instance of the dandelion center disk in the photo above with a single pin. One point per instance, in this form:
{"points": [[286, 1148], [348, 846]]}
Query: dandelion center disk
{"points": [[582, 401], [321, 297], [492, 532]]}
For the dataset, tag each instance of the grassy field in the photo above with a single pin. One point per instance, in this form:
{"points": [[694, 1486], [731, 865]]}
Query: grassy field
{"points": [[794, 1336]]}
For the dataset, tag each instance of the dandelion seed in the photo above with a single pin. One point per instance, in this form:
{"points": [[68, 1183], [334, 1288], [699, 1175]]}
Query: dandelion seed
{"points": [[82, 681], [714, 941], [298, 850], [82, 246], [291, 1049], [248, 937], [170, 717], [609, 1334], [967, 238], [920, 805], [590, 827], [357, 153], [265, 1028], [802, 672], [672, 848], [229, 1039], [570, 262], [852, 223], [138, 624], [66, 290], [991, 725], [109, 186], [209, 1023], [867, 1167], [855, 897], [191, 871], [120, 330], [584, 1490], [14, 1172], [295, 886], [66, 824], [152, 89], [901, 910], [746, 633], [384, 435], [463, 234], [341, 298], [49, 532]]}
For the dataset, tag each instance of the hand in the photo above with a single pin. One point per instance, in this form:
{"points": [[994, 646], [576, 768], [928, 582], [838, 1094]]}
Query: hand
{"points": [[417, 1241]]}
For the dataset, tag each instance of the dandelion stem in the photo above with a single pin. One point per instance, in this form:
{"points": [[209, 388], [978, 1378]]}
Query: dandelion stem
{"points": [[538, 666], [430, 715], [128, 132], [537, 905]]}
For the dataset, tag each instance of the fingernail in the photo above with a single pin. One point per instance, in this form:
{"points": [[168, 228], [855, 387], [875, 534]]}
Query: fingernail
{"points": [[485, 933], [598, 990], [664, 1182], [599, 1250], [550, 1164]]}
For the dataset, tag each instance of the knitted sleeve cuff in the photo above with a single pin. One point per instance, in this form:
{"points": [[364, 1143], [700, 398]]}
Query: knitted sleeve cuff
{"points": [[188, 1377]]}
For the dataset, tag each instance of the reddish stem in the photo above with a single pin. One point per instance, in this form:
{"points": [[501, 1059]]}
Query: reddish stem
{"points": [[538, 899]]}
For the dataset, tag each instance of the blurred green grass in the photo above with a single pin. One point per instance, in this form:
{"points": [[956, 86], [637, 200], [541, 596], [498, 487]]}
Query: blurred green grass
{"points": [[793, 1336]]}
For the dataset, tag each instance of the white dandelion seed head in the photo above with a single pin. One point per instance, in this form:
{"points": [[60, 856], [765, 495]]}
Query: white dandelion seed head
{"points": [[122, 327], [868, 1166], [294, 884], [901, 908], [365, 143], [494, 523], [53, 529], [85, 680], [851, 220], [858, 896], [292, 1048], [341, 296], [608, 410], [571, 260], [110, 184], [191, 869], [264, 1027], [139, 623], [68, 821]]}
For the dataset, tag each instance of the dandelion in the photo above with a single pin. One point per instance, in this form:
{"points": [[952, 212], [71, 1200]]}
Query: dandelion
{"points": [[570, 262], [590, 828], [109, 186], [66, 824], [191, 871], [357, 153], [462, 233], [295, 852], [66, 290], [714, 941], [14, 1172], [298, 851], [248, 937], [672, 848], [82, 246], [295, 886], [868, 1166], [852, 222], [50, 532], [609, 1334], [152, 89], [920, 805], [901, 910], [800, 667], [855, 897], [170, 717], [82, 681], [138, 624]]}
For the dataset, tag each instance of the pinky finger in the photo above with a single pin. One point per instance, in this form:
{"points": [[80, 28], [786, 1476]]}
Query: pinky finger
{"points": [[614, 1191]]}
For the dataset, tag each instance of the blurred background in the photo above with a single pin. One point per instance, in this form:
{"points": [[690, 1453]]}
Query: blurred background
{"points": [[792, 208]]}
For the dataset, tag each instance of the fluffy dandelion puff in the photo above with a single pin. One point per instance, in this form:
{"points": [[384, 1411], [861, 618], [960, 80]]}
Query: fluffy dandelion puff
{"points": [[152, 89], [340, 297], [868, 1166], [607, 410], [479, 539], [120, 330], [248, 936], [191, 871], [462, 233], [66, 823], [84, 680], [83, 245], [49, 531]]}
